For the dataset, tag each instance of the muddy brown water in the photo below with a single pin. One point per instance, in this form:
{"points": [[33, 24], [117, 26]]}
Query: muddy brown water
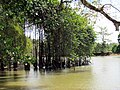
{"points": [[103, 74]]}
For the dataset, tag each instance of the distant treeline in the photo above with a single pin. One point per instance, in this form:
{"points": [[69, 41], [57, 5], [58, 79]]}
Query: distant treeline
{"points": [[106, 49]]}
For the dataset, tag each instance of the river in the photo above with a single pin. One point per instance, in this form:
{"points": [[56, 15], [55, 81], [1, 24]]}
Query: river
{"points": [[102, 74]]}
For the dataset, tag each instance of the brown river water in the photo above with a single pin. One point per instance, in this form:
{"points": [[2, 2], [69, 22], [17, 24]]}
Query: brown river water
{"points": [[102, 74]]}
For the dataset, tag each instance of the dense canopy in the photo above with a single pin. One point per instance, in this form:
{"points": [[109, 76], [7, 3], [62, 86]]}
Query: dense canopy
{"points": [[66, 34]]}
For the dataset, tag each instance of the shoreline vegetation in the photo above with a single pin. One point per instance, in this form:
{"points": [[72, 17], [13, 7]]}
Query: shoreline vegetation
{"points": [[48, 35], [114, 54], [106, 54], [76, 63]]}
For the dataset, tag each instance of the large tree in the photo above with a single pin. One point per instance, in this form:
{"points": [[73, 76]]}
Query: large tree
{"points": [[67, 33]]}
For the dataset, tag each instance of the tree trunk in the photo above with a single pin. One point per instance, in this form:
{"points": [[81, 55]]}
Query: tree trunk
{"points": [[49, 56], [1, 66], [35, 64], [35, 51], [80, 61], [15, 66], [9, 63], [40, 54]]}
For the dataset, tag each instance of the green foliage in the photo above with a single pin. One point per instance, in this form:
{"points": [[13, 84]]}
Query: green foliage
{"points": [[72, 33], [27, 58], [12, 41], [114, 49], [14, 45], [67, 33], [28, 48], [118, 35], [118, 49]]}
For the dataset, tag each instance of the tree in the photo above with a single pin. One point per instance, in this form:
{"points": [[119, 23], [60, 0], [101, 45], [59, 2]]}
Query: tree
{"points": [[67, 33], [12, 37], [98, 48], [104, 33], [114, 48], [117, 47], [11, 47]]}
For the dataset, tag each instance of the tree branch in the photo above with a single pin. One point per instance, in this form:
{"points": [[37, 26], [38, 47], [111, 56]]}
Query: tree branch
{"points": [[100, 10], [111, 6]]}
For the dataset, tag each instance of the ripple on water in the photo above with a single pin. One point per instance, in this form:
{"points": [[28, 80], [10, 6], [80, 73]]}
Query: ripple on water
{"points": [[103, 74]]}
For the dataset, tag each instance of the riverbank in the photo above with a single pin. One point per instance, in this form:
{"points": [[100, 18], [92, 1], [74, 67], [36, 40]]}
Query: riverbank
{"points": [[114, 54], [106, 54]]}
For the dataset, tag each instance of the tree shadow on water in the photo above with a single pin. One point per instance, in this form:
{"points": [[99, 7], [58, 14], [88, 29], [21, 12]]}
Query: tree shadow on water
{"points": [[22, 87], [7, 77]]}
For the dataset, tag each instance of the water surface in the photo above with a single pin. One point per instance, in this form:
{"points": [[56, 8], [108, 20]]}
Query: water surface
{"points": [[103, 74]]}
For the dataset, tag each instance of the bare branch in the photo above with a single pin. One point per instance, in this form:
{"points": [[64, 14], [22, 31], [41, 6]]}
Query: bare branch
{"points": [[111, 6], [100, 10]]}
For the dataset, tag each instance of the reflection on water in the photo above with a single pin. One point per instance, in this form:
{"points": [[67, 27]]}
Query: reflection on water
{"points": [[103, 74]]}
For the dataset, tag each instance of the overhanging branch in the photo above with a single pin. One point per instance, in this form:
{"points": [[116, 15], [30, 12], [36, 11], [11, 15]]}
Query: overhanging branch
{"points": [[111, 6], [100, 10]]}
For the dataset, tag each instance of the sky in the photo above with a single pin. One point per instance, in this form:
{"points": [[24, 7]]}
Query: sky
{"points": [[104, 22]]}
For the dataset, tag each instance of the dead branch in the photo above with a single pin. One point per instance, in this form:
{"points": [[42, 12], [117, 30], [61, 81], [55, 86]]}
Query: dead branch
{"points": [[100, 10]]}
